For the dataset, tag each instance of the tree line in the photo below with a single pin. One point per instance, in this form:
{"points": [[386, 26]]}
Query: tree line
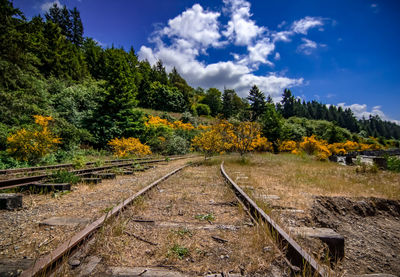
{"points": [[48, 67]]}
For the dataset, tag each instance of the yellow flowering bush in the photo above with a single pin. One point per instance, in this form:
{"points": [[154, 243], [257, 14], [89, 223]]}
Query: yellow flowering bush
{"points": [[156, 121], [246, 136], [337, 148], [287, 146], [128, 146], [313, 146], [209, 142], [29, 145], [242, 137], [263, 145]]}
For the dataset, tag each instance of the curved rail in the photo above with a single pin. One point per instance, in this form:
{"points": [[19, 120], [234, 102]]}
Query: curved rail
{"points": [[294, 252], [46, 264]]}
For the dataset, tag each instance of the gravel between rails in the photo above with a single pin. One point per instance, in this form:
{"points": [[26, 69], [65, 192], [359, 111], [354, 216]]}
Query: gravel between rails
{"points": [[198, 228]]}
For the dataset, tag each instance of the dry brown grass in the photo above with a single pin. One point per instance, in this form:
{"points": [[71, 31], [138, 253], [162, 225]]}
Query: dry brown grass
{"points": [[295, 179], [187, 246]]}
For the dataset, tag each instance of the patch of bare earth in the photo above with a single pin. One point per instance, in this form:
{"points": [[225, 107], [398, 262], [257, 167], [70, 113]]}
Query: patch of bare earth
{"points": [[302, 192], [191, 224], [21, 235]]}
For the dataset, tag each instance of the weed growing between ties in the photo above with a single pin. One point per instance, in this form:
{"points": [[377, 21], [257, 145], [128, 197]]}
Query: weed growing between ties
{"points": [[179, 251], [207, 217], [63, 176]]}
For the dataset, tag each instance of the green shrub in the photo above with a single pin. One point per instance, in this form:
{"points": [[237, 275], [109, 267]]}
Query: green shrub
{"points": [[187, 117], [202, 109], [63, 176], [79, 162], [177, 145], [7, 161], [393, 164]]}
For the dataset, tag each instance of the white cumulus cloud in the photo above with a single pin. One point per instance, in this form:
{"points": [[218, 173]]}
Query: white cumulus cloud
{"points": [[241, 29], [185, 38], [196, 26], [361, 110], [303, 25], [47, 5]]}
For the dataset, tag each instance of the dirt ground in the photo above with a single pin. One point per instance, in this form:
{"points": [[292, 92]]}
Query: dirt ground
{"points": [[195, 226], [371, 227], [21, 235]]}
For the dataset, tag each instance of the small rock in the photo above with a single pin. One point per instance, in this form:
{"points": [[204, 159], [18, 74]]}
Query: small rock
{"points": [[147, 252], [74, 262], [267, 249]]}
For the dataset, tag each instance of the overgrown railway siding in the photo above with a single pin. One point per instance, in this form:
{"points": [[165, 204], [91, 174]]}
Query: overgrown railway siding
{"points": [[21, 181], [20, 231]]}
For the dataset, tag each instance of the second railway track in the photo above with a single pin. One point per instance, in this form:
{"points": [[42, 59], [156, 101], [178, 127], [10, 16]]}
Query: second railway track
{"points": [[22, 181]]}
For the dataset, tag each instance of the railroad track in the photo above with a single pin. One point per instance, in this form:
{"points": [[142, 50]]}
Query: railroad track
{"points": [[61, 166], [23, 181], [210, 232]]}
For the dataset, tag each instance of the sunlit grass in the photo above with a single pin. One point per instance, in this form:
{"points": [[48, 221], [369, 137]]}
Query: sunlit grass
{"points": [[289, 176]]}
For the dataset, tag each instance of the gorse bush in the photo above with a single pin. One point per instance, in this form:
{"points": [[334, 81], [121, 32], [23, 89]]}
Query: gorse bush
{"points": [[31, 145], [129, 146], [224, 136], [313, 146]]}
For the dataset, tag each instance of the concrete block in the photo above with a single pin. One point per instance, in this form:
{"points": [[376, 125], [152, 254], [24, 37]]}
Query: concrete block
{"points": [[64, 221], [51, 187], [93, 181], [106, 175], [380, 162], [334, 240], [144, 271], [14, 267], [270, 197], [10, 201], [127, 172]]}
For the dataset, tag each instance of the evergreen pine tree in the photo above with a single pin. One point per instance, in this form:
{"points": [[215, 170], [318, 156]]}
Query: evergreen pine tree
{"points": [[257, 102]]}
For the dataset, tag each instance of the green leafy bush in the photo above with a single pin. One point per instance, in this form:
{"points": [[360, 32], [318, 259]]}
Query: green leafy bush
{"points": [[177, 145], [202, 109], [393, 164]]}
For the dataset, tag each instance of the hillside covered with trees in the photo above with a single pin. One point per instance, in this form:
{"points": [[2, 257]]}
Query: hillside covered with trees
{"points": [[54, 78]]}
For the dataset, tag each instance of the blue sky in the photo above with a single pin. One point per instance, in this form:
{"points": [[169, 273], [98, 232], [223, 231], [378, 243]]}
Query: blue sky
{"points": [[338, 52]]}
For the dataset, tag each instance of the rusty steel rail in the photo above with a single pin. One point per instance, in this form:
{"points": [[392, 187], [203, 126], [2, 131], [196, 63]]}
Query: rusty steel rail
{"points": [[294, 252], [57, 166], [48, 263], [17, 182]]}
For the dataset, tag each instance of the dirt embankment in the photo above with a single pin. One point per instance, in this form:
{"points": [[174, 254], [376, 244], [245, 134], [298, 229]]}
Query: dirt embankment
{"points": [[371, 227]]}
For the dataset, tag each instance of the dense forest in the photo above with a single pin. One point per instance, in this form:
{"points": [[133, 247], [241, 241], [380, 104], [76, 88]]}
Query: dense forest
{"points": [[92, 94]]}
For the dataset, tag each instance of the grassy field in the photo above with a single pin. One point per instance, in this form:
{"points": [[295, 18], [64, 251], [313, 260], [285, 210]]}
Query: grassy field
{"points": [[295, 179]]}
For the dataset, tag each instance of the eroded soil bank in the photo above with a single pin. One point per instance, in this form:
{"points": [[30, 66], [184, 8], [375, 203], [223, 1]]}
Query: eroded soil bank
{"points": [[371, 227]]}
